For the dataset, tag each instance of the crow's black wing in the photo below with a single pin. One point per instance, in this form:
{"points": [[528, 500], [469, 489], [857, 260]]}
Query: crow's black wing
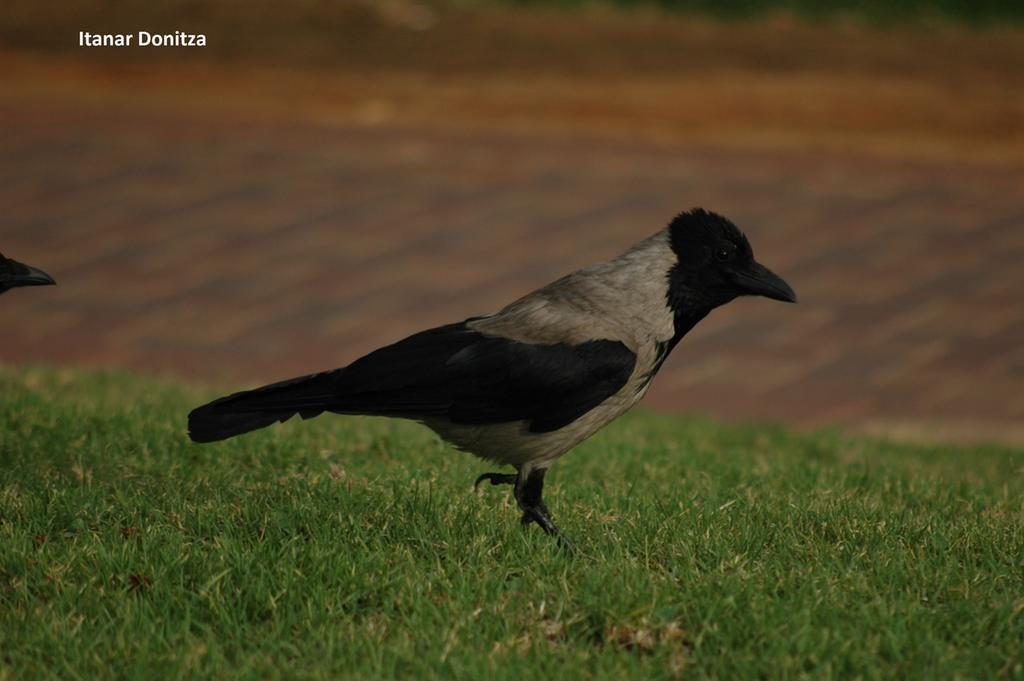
{"points": [[472, 378], [451, 372]]}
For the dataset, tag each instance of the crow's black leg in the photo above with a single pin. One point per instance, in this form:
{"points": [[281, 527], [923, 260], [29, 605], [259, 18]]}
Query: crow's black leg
{"points": [[528, 493], [496, 479]]}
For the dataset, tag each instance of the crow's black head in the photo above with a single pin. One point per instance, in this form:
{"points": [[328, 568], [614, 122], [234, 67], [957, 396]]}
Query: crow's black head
{"points": [[14, 273], [715, 265]]}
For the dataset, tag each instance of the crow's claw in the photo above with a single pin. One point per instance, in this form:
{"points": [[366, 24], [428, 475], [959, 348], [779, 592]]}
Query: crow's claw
{"points": [[539, 515], [496, 479]]}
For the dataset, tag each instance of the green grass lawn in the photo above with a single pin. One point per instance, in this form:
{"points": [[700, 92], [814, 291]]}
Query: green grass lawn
{"points": [[355, 548]]}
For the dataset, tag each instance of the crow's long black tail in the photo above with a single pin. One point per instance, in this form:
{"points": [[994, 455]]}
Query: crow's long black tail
{"points": [[235, 414]]}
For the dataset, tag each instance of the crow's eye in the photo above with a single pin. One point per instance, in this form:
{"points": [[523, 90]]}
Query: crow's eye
{"points": [[723, 255]]}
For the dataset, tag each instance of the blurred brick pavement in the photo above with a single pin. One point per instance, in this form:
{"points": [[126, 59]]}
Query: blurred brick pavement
{"points": [[239, 251]]}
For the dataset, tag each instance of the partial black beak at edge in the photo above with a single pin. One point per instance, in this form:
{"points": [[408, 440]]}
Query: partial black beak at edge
{"points": [[761, 281], [32, 276]]}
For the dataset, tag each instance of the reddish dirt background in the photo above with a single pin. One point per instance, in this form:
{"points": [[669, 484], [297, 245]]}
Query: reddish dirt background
{"points": [[928, 92], [317, 183]]}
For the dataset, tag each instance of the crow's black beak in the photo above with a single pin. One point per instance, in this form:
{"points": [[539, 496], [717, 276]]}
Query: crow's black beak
{"points": [[761, 281], [31, 276]]}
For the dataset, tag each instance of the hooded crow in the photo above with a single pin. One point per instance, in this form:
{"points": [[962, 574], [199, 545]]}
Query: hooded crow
{"points": [[14, 273], [526, 384]]}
